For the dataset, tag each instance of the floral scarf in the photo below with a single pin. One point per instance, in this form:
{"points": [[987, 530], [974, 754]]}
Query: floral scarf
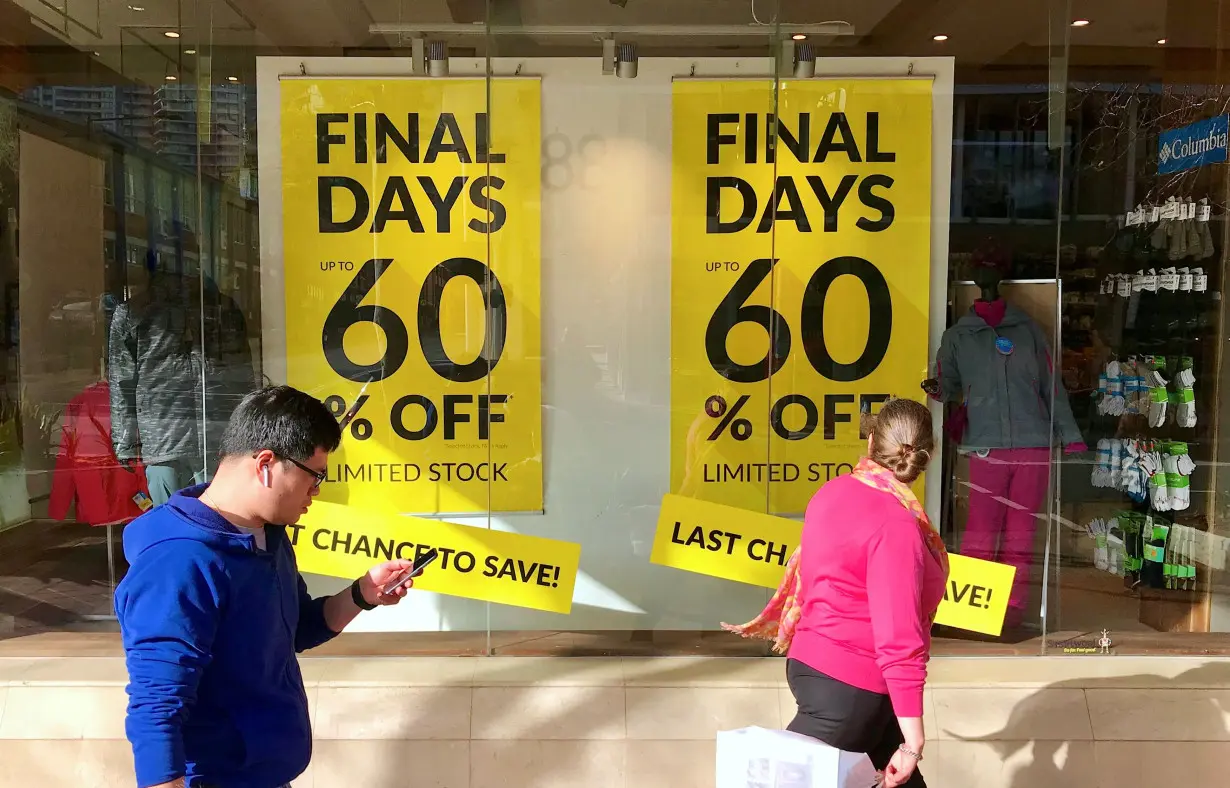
{"points": [[779, 619]]}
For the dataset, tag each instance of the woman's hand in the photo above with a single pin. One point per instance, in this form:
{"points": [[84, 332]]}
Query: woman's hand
{"points": [[900, 768]]}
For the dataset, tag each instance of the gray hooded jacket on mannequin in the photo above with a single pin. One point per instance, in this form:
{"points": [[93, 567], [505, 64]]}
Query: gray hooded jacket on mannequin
{"points": [[1012, 401], [172, 389]]}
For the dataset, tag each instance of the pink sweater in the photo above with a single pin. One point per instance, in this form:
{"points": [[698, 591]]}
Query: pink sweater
{"points": [[869, 586]]}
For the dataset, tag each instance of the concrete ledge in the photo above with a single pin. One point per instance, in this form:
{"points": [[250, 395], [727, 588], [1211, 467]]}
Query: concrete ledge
{"points": [[1083, 722], [1077, 672], [629, 764]]}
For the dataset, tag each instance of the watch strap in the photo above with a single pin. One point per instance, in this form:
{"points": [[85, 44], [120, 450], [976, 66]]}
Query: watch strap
{"points": [[357, 595]]}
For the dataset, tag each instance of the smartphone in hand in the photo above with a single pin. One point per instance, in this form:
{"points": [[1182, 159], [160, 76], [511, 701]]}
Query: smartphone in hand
{"points": [[414, 571]]}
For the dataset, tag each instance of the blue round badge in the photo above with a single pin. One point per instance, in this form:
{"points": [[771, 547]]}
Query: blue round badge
{"points": [[1004, 346]]}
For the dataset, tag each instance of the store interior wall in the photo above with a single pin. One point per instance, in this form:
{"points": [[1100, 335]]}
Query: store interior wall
{"points": [[60, 337], [606, 294], [14, 502]]}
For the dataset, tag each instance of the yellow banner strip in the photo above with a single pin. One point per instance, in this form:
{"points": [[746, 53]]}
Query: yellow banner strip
{"points": [[748, 547], [475, 563]]}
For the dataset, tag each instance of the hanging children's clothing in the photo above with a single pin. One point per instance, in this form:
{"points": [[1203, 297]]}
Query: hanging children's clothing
{"points": [[88, 473]]}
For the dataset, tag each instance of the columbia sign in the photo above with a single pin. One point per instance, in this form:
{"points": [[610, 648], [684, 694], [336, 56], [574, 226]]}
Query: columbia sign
{"points": [[1194, 145]]}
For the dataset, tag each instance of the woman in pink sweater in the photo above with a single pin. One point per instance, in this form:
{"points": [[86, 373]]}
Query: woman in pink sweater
{"points": [[854, 612]]}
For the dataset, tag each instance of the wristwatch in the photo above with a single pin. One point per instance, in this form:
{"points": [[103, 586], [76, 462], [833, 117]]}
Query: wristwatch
{"points": [[357, 595]]}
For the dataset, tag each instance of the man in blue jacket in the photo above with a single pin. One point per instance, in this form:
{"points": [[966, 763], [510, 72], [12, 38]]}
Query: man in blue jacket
{"points": [[213, 609]]}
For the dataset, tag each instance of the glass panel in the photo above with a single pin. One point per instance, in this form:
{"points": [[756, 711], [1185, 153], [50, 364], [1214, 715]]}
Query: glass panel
{"points": [[94, 243], [1141, 553], [633, 404], [139, 130]]}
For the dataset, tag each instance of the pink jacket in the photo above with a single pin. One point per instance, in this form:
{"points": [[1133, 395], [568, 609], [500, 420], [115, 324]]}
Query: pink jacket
{"points": [[869, 588]]}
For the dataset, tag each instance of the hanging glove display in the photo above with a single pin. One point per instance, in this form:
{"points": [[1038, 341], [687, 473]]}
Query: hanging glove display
{"points": [[1113, 403], [1160, 237], [1114, 552], [1158, 395], [1101, 475], [1187, 465], [1203, 214], [1193, 239], [1132, 479], [1176, 232], [1177, 484], [1159, 493], [1116, 463], [1135, 394], [1185, 279], [1144, 387], [1097, 529], [1185, 396]]}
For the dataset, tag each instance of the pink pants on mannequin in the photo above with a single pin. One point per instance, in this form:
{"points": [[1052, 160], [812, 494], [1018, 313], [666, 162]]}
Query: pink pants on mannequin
{"points": [[1007, 488]]}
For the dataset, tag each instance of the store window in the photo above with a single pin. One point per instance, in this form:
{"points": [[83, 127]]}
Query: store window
{"points": [[645, 259]]}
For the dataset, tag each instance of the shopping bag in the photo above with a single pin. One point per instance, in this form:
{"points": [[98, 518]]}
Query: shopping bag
{"points": [[763, 758]]}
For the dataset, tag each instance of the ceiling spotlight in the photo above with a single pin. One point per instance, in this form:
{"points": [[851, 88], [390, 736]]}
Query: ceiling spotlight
{"points": [[1161, 42], [804, 62], [799, 37], [626, 61], [437, 58], [1080, 23], [171, 77], [232, 79], [940, 37], [189, 51], [171, 34], [137, 8]]}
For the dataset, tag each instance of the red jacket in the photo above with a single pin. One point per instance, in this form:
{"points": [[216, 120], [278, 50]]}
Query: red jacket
{"points": [[87, 470]]}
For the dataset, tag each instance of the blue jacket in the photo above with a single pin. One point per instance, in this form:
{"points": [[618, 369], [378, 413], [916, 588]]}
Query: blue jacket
{"points": [[210, 628]]}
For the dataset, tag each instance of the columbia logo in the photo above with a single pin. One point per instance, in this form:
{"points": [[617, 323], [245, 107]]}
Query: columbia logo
{"points": [[1164, 154]]}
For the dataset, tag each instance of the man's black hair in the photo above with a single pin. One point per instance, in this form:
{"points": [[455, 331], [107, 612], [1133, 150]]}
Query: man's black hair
{"points": [[286, 421]]}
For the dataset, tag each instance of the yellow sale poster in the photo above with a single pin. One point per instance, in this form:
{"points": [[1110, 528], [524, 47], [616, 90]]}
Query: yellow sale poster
{"points": [[801, 248], [411, 226]]}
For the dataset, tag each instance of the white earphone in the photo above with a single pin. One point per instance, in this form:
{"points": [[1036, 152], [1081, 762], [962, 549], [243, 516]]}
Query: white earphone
{"points": [[268, 478]]}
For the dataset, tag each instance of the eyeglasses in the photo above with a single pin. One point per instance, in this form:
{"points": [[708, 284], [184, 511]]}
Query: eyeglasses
{"points": [[319, 476]]}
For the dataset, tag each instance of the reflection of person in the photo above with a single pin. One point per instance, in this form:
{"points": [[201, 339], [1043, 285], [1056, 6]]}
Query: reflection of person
{"points": [[697, 449], [154, 367], [213, 609], [855, 608], [228, 372]]}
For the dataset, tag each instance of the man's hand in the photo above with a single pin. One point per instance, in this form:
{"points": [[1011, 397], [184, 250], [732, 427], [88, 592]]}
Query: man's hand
{"points": [[340, 608], [372, 584]]}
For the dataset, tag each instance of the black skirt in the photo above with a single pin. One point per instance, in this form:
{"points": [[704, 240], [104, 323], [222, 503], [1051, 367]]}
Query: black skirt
{"points": [[848, 718]]}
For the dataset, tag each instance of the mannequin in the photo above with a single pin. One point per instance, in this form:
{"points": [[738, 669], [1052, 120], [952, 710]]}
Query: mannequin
{"points": [[997, 361], [987, 277]]}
